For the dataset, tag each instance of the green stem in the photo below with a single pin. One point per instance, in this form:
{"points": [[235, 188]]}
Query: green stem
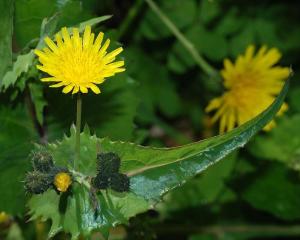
{"points": [[205, 66], [132, 13], [78, 128], [219, 230]]}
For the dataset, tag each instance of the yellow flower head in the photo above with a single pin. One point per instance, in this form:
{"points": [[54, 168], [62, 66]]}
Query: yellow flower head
{"points": [[62, 181], [251, 84], [78, 63]]}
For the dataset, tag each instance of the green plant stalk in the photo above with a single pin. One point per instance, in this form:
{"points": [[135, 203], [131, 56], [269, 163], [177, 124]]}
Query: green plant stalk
{"points": [[78, 127], [132, 13], [205, 66]]}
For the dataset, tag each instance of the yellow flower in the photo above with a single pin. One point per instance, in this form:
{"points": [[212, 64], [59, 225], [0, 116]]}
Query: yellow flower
{"points": [[251, 84], [62, 181], [78, 63]]}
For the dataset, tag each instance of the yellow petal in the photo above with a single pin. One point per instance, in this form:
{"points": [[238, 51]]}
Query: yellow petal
{"points": [[59, 40], [104, 48], [68, 88], [98, 41], [51, 44], [66, 35], [94, 88], [57, 85], [83, 89], [86, 36], [49, 79], [75, 90]]}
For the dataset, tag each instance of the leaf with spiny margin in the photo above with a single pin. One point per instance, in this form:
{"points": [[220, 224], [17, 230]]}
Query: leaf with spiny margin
{"points": [[153, 172]]}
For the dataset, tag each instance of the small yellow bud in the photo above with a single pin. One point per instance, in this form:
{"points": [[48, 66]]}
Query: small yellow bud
{"points": [[62, 181], [4, 217]]}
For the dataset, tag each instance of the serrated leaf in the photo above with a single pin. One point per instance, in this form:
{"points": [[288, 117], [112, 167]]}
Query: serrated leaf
{"points": [[6, 19], [152, 171], [20, 66]]}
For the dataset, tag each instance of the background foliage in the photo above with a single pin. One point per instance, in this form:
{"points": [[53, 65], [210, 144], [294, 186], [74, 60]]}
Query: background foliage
{"points": [[159, 101]]}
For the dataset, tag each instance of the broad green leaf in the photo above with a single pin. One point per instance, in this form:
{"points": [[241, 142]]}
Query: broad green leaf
{"points": [[181, 13], [276, 191], [153, 172], [270, 146], [241, 40], [16, 136], [6, 19], [29, 15]]}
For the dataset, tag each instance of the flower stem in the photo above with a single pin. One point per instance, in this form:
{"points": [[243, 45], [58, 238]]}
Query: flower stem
{"points": [[204, 65], [78, 128], [131, 16]]}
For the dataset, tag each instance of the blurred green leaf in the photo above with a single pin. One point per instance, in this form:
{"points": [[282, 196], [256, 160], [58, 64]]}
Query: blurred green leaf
{"points": [[29, 15], [239, 42], [16, 137], [270, 146], [181, 13], [230, 23], [14, 233], [72, 13], [266, 33], [6, 19], [209, 10], [156, 89], [294, 99], [276, 192], [37, 97]]}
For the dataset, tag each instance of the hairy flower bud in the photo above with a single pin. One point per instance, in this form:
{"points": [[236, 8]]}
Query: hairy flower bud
{"points": [[37, 182], [42, 161]]}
